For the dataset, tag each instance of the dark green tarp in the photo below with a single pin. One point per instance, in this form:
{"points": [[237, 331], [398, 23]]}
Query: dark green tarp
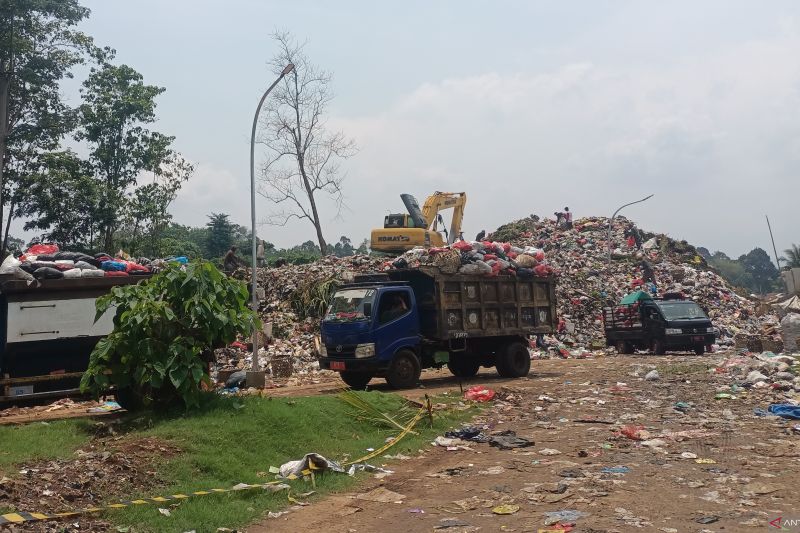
{"points": [[634, 297]]}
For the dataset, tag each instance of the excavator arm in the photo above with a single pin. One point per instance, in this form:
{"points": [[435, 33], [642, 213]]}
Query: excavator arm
{"points": [[439, 201]]}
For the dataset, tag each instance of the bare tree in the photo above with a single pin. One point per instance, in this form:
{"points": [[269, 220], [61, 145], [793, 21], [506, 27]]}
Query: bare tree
{"points": [[303, 156]]}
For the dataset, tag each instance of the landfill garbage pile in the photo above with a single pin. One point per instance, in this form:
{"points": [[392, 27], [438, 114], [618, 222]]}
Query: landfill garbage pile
{"points": [[767, 370], [295, 296], [47, 261], [587, 282]]}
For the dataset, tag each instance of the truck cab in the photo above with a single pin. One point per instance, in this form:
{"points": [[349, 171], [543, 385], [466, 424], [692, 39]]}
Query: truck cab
{"points": [[670, 323], [364, 327]]}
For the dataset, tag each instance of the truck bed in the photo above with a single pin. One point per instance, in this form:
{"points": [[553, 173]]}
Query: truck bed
{"points": [[456, 306]]}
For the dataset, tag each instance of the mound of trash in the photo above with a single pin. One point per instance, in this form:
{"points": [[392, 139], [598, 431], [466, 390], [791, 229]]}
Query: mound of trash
{"points": [[589, 278]]}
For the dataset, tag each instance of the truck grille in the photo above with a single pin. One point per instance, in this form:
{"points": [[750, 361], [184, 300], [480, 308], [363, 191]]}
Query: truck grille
{"points": [[341, 350], [693, 330]]}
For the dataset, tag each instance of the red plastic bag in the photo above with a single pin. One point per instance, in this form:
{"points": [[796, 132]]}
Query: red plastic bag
{"points": [[489, 257], [115, 274], [542, 271], [635, 432], [135, 267], [42, 249], [462, 246], [479, 393]]}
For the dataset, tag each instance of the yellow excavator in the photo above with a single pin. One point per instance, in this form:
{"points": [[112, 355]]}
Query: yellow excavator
{"points": [[404, 231]]}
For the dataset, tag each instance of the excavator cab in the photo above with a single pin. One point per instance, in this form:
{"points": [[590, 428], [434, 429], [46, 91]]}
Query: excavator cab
{"points": [[399, 220], [420, 227]]}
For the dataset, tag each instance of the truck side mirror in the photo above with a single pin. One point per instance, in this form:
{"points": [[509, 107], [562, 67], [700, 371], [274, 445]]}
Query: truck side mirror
{"points": [[368, 309]]}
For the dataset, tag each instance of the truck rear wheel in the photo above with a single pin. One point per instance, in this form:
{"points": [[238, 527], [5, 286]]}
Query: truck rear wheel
{"points": [[514, 361], [463, 367], [624, 347], [699, 349], [404, 370], [356, 380]]}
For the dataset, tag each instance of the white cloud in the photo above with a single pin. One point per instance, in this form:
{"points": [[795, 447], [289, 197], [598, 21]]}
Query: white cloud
{"points": [[715, 136]]}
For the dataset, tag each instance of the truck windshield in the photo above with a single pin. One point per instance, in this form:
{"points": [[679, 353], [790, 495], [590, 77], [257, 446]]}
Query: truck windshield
{"points": [[347, 305], [681, 310]]}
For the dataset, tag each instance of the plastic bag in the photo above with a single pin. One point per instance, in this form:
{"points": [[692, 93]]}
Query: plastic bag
{"points": [[462, 246], [115, 274], [48, 273], [113, 266], [83, 265], [92, 273], [479, 393], [470, 268], [42, 249], [73, 273], [526, 261]]}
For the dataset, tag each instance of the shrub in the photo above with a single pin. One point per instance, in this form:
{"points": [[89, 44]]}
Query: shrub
{"points": [[165, 331]]}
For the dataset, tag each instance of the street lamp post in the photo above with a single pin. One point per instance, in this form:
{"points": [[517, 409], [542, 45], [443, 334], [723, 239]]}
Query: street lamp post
{"points": [[256, 367], [611, 223]]}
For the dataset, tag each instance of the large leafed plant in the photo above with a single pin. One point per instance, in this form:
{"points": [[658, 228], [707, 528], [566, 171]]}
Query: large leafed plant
{"points": [[165, 330]]}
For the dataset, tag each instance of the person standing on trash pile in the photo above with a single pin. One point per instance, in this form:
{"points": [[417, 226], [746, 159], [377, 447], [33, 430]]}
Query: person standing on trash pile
{"points": [[567, 218], [647, 272], [231, 261], [260, 253], [479, 237]]}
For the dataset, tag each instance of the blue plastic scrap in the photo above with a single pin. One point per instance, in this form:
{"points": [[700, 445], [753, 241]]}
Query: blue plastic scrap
{"points": [[785, 410]]}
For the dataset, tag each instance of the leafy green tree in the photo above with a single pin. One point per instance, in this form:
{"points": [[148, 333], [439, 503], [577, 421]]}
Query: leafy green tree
{"points": [[146, 213], [762, 272], [165, 331], [39, 46], [64, 201], [343, 248], [220, 234], [363, 248], [793, 256], [117, 105]]}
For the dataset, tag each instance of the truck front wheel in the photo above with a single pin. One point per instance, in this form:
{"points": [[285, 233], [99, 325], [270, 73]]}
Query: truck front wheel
{"points": [[463, 367], [514, 361], [356, 380], [404, 371], [658, 347]]}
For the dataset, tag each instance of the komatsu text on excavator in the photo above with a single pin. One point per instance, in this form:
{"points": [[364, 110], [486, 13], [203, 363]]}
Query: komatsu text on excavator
{"points": [[402, 232]]}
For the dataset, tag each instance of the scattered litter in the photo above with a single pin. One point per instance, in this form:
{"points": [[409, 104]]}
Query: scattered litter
{"points": [[505, 509], [165, 512], [567, 515], [445, 523], [615, 470], [652, 376], [688, 455], [549, 451], [479, 393], [705, 461], [785, 410]]}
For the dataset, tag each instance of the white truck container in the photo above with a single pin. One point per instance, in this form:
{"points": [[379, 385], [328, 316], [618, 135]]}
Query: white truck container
{"points": [[47, 331]]}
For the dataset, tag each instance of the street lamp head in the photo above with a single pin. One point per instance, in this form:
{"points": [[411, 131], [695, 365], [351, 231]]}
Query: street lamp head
{"points": [[287, 69]]}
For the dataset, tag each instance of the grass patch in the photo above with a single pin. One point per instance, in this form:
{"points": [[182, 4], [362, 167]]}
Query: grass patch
{"points": [[682, 369], [232, 440], [49, 440]]}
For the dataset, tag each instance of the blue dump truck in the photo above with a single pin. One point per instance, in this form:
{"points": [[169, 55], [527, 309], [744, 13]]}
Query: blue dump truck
{"points": [[394, 324], [669, 323]]}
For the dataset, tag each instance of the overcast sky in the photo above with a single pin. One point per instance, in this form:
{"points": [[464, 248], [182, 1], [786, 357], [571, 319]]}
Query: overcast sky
{"points": [[526, 106]]}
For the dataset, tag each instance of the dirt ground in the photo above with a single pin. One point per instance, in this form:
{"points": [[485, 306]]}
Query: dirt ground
{"points": [[700, 465]]}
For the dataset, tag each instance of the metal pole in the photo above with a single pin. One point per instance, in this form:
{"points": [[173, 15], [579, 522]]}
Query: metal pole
{"points": [[774, 249], [611, 223], [255, 364]]}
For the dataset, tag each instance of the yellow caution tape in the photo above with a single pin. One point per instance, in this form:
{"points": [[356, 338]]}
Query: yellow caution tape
{"points": [[22, 517]]}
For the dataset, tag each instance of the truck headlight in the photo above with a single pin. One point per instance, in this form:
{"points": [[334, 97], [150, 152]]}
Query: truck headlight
{"points": [[323, 351], [673, 331], [365, 350], [711, 330]]}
